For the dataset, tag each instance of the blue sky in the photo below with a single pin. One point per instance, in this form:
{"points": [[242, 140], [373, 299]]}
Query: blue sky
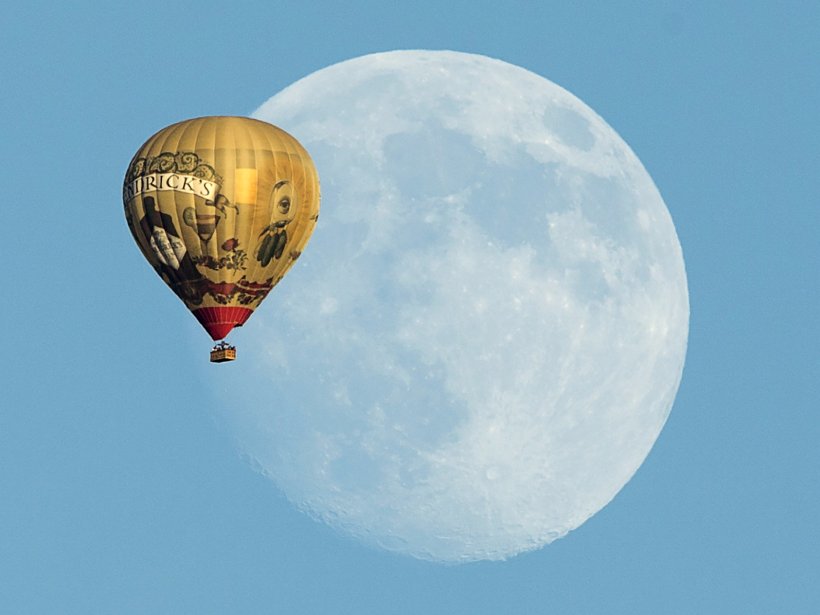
{"points": [[120, 490]]}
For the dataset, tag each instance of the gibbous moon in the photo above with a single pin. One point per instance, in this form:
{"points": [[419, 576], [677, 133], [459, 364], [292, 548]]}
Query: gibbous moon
{"points": [[485, 335]]}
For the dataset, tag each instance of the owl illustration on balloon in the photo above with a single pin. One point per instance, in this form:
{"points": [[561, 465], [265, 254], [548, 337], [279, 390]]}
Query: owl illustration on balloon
{"points": [[274, 237]]}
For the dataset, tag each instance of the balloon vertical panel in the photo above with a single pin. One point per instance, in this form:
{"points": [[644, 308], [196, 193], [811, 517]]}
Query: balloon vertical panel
{"points": [[221, 207]]}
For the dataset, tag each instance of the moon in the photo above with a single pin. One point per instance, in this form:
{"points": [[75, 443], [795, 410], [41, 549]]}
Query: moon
{"points": [[485, 336]]}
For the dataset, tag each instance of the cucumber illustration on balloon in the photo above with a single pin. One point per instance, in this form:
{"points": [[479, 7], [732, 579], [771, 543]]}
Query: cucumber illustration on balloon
{"points": [[272, 242]]}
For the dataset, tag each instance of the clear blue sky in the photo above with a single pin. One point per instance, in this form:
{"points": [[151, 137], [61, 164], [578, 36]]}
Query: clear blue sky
{"points": [[120, 491]]}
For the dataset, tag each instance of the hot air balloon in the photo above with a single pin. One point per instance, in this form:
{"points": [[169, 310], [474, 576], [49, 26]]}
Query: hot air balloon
{"points": [[221, 207]]}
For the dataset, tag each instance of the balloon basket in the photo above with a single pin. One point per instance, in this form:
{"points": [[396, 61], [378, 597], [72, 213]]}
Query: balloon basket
{"points": [[223, 352]]}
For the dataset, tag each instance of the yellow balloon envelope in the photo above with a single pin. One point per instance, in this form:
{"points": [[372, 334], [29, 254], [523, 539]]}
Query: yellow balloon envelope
{"points": [[221, 207]]}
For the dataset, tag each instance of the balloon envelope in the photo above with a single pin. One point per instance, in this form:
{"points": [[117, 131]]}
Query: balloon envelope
{"points": [[221, 207]]}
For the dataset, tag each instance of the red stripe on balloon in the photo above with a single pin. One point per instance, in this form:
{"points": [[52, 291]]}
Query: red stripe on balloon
{"points": [[218, 321]]}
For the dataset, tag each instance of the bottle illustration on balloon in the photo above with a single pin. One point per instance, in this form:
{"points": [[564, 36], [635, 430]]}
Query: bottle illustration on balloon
{"points": [[221, 207]]}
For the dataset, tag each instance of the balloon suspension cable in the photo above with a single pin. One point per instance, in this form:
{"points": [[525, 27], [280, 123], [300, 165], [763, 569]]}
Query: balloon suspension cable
{"points": [[223, 352]]}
